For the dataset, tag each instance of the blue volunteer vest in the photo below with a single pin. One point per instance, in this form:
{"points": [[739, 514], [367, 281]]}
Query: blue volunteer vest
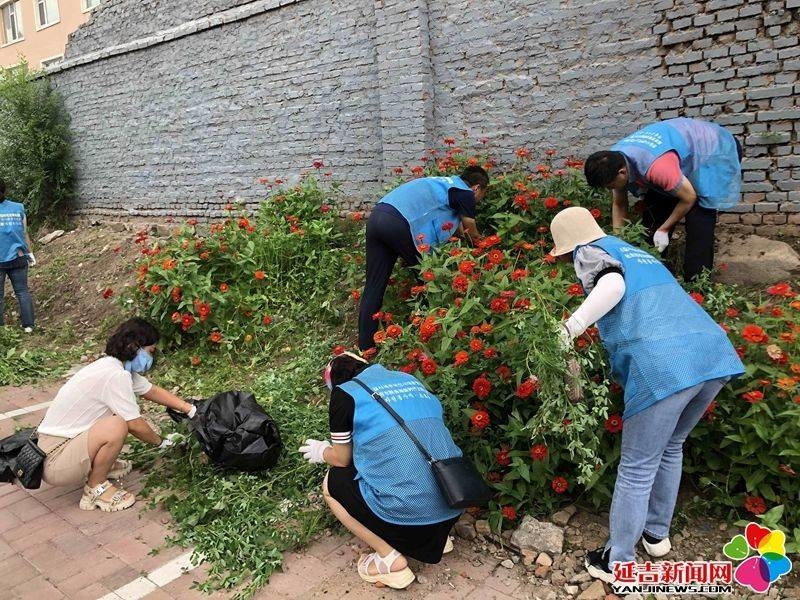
{"points": [[658, 338], [424, 204], [12, 230], [396, 481], [708, 155]]}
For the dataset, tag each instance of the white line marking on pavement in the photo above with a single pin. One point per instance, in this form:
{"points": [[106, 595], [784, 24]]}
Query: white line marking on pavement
{"points": [[142, 586], [24, 411]]}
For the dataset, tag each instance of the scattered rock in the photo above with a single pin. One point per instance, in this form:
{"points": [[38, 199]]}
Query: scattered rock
{"points": [[46, 239], [94, 223], [563, 516], [528, 556], [542, 571], [755, 260], [507, 563], [581, 577], [482, 527], [515, 559], [544, 560], [538, 535], [118, 227], [421, 579], [571, 589], [612, 597], [677, 538], [465, 531], [466, 518], [595, 591], [558, 578]]}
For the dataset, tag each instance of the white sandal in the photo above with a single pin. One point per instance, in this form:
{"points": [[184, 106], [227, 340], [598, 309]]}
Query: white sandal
{"points": [[120, 469], [397, 580], [119, 501], [448, 546]]}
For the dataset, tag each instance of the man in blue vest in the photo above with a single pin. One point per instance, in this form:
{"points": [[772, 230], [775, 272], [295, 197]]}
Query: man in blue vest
{"points": [[412, 219], [670, 356], [682, 168]]}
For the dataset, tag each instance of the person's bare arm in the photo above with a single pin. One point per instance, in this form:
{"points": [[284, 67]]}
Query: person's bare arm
{"points": [[619, 209], [166, 398], [469, 229], [686, 196], [339, 455], [139, 428]]}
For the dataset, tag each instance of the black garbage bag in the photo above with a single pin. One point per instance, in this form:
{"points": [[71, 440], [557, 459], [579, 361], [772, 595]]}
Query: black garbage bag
{"points": [[235, 432]]}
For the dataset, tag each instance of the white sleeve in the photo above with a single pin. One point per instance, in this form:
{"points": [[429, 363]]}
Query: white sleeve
{"points": [[140, 384], [118, 395], [607, 293]]}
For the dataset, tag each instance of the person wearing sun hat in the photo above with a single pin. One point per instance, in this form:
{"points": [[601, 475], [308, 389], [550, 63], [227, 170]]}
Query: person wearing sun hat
{"points": [[379, 484], [670, 356]]}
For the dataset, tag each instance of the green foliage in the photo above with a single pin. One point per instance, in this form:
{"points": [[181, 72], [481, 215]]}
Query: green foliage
{"points": [[35, 154], [18, 365]]}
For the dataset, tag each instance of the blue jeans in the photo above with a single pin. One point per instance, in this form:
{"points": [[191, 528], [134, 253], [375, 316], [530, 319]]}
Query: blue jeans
{"points": [[651, 465], [17, 271]]}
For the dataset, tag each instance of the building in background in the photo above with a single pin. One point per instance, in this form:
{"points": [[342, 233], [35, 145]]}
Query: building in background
{"points": [[37, 30]]}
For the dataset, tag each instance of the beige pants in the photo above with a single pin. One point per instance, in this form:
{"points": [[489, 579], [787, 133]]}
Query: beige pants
{"points": [[69, 463]]}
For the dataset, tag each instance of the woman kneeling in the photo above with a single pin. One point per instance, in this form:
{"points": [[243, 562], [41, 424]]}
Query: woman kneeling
{"points": [[84, 428], [379, 485]]}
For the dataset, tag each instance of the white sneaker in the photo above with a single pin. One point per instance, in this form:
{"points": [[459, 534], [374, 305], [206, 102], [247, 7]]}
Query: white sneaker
{"points": [[658, 549], [28, 330]]}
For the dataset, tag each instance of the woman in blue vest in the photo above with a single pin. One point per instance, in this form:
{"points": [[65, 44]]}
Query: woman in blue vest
{"points": [[15, 256], [682, 168], [411, 219], [670, 356], [379, 485]]}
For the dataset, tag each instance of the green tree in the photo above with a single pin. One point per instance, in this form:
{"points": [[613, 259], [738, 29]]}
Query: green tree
{"points": [[35, 152]]}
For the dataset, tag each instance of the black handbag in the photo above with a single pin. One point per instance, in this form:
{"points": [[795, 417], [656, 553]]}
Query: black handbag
{"points": [[460, 483], [22, 459]]}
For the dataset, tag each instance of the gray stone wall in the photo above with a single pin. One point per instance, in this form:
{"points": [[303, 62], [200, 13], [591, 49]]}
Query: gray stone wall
{"points": [[180, 105]]}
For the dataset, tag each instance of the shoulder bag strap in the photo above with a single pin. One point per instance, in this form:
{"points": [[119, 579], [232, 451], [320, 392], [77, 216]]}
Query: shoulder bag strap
{"points": [[398, 418]]}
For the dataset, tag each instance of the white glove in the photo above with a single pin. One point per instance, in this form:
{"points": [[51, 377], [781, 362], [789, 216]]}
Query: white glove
{"points": [[313, 450], [31, 259], [192, 412], [170, 440], [661, 240]]}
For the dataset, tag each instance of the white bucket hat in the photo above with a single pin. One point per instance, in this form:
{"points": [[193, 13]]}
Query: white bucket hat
{"points": [[573, 227]]}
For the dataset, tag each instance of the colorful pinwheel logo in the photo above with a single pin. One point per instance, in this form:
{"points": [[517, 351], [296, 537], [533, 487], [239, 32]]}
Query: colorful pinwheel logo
{"points": [[760, 571]]}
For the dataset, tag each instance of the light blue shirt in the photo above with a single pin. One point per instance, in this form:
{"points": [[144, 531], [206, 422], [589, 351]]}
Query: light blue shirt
{"points": [[12, 230]]}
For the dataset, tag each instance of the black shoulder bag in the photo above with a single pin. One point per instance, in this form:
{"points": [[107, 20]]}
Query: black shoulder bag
{"points": [[459, 481]]}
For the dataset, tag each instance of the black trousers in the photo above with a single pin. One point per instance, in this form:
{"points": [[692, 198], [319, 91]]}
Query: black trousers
{"points": [[388, 237], [700, 225]]}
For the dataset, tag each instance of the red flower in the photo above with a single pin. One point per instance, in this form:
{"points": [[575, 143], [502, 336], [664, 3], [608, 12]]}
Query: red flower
{"points": [[475, 345], [753, 396], [781, 289], [503, 372], [175, 317], [357, 216], [461, 358], [418, 289], [215, 337], [614, 388], [480, 419], [448, 141], [576, 289], [460, 284], [259, 275], [509, 513], [317, 164], [596, 213], [522, 152], [203, 309], [447, 226], [355, 294], [394, 331], [168, 264], [521, 200], [499, 305], [429, 366], [481, 386], [696, 297], [155, 288], [489, 353], [423, 248], [732, 313], [613, 424], [559, 485], [551, 203], [522, 304], [379, 337], [754, 334], [428, 275], [195, 360], [187, 321], [755, 505], [337, 350], [267, 320], [107, 293], [495, 257], [192, 222], [549, 259], [223, 287], [503, 458], [518, 274], [427, 329], [325, 208], [527, 387], [539, 452], [417, 170]]}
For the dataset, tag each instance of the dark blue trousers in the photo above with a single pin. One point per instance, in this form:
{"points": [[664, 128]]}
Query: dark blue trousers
{"points": [[388, 237]]}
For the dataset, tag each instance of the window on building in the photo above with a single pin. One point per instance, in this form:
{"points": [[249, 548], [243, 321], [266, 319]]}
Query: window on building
{"points": [[89, 4], [12, 21], [46, 12]]}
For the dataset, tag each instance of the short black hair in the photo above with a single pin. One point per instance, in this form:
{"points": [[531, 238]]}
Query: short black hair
{"points": [[601, 168], [475, 175], [131, 335], [344, 368]]}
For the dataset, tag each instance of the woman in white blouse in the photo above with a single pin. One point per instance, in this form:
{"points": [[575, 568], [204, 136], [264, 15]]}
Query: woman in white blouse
{"points": [[85, 427]]}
